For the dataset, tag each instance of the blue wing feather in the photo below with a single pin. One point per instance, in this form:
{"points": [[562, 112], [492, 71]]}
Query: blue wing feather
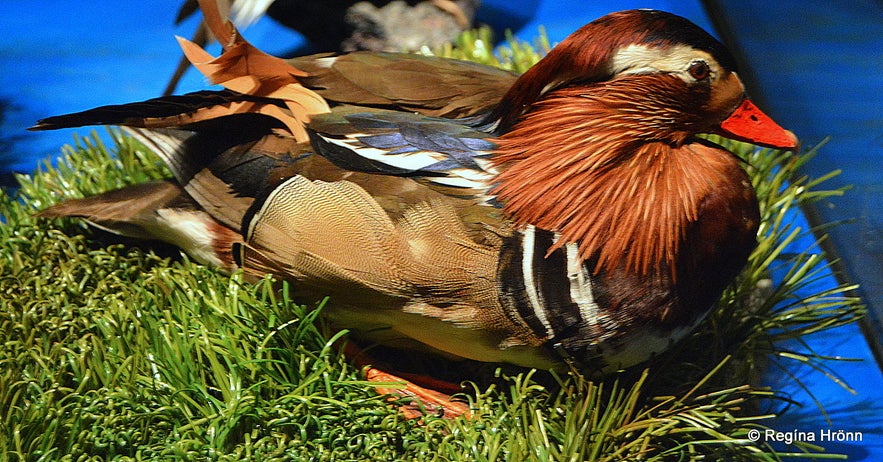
{"points": [[405, 144], [385, 141]]}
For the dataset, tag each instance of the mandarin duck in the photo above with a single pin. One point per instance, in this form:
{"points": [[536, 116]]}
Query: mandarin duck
{"points": [[569, 215]]}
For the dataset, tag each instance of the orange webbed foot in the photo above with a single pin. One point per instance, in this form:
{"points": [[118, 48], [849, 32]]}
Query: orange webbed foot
{"points": [[425, 400], [428, 395]]}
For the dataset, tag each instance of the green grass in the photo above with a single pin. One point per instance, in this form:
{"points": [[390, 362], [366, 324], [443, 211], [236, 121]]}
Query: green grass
{"points": [[109, 352]]}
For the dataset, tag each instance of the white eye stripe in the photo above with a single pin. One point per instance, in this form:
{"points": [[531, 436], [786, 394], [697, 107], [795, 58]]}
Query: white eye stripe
{"points": [[642, 59]]}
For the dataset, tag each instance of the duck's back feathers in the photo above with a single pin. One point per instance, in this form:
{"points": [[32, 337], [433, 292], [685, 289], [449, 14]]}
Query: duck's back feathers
{"points": [[429, 85]]}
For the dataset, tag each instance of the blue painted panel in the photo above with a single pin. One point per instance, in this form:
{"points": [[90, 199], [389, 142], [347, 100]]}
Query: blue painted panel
{"points": [[822, 72], [818, 67], [821, 403]]}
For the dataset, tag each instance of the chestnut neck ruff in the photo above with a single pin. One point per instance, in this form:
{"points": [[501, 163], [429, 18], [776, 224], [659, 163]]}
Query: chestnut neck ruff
{"points": [[614, 167]]}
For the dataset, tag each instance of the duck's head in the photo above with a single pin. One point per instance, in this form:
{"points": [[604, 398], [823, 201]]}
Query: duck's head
{"points": [[599, 139], [685, 81]]}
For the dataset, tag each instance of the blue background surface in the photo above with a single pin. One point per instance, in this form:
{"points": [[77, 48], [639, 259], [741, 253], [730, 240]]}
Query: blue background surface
{"points": [[816, 66]]}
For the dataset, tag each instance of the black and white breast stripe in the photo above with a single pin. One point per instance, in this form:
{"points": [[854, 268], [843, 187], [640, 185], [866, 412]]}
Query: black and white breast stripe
{"points": [[552, 294]]}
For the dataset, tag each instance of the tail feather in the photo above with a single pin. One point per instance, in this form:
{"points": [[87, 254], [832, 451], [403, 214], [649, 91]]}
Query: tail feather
{"points": [[158, 211], [122, 211], [181, 111]]}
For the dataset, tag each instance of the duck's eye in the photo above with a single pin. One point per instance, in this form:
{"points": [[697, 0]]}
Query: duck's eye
{"points": [[699, 70]]}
